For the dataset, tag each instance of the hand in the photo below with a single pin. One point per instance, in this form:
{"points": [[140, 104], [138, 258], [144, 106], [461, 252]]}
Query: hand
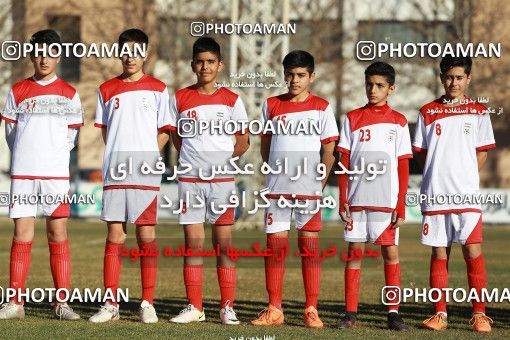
{"points": [[346, 215], [396, 221]]}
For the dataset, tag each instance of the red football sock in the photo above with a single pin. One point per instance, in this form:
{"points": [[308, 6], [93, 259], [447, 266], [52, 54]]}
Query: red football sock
{"points": [[351, 278], [392, 278], [227, 282], [477, 279], [193, 277], [275, 268], [148, 270], [439, 279], [60, 263], [19, 266], [311, 270], [112, 267]]}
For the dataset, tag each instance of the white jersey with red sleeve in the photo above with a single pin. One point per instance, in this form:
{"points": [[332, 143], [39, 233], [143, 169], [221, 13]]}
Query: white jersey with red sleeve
{"points": [[298, 150], [41, 118], [376, 138], [451, 136], [132, 113], [201, 152]]}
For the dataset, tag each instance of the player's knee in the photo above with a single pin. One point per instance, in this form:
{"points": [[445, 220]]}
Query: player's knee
{"points": [[354, 264], [23, 235], [390, 254], [224, 261], [391, 259], [222, 240], [144, 239], [222, 245], [306, 233], [439, 253], [471, 251], [197, 241], [145, 234], [116, 236], [56, 235], [24, 229]]}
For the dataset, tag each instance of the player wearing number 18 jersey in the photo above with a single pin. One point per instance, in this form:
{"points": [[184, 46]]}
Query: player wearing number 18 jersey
{"points": [[201, 153], [453, 134], [373, 208]]}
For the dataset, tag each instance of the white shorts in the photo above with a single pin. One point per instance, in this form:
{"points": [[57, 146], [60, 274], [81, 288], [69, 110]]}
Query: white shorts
{"points": [[137, 206], [371, 226], [213, 195], [278, 219], [26, 194], [442, 230]]}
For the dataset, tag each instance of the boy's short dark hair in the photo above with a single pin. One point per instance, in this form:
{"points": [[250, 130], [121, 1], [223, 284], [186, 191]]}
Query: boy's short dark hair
{"points": [[448, 62], [383, 69], [299, 58], [206, 44], [47, 36], [133, 35]]}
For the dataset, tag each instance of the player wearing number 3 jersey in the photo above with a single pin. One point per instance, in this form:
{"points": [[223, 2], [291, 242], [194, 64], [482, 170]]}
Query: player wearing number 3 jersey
{"points": [[134, 117]]}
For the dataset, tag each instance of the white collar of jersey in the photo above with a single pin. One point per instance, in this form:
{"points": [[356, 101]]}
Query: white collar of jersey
{"points": [[45, 82]]}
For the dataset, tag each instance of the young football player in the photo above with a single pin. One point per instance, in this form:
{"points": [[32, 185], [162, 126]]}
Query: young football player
{"points": [[453, 134], [296, 106], [374, 208], [42, 117], [133, 114], [206, 102]]}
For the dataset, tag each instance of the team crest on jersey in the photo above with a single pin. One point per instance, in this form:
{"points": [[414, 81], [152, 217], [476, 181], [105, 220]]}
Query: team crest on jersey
{"points": [[145, 104], [391, 135], [467, 128]]}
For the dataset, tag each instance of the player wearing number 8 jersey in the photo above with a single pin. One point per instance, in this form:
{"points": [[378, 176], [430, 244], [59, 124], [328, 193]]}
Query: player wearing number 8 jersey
{"points": [[453, 134], [374, 208]]}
